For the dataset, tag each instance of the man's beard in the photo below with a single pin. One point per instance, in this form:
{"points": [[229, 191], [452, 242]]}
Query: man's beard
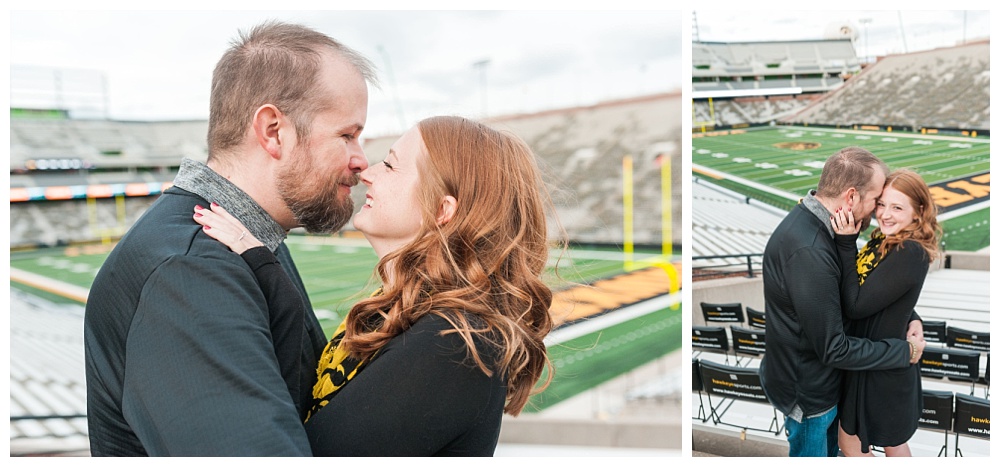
{"points": [[316, 204], [865, 222]]}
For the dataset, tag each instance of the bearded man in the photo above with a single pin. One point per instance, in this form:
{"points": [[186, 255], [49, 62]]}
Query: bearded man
{"points": [[184, 357]]}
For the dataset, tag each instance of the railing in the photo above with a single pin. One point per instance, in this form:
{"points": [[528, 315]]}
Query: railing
{"points": [[751, 265], [19, 418]]}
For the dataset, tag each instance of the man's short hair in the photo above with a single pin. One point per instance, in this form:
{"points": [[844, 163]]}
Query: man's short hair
{"points": [[850, 167], [274, 63]]}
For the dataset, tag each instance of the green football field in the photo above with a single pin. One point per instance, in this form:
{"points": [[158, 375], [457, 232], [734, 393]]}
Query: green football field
{"points": [[337, 273], [779, 165]]}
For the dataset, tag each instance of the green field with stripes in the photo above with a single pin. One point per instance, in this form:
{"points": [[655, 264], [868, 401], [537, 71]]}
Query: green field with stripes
{"points": [[337, 273], [779, 165]]}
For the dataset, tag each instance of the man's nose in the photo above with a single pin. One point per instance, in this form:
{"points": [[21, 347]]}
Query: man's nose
{"points": [[358, 162]]}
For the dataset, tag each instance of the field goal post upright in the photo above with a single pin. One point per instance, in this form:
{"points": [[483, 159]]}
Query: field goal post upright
{"points": [[708, 124], [663, 261], [627, 238]]}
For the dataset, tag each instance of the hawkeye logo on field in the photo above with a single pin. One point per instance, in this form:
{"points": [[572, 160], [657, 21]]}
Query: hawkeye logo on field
{"points": [[962, 192]]}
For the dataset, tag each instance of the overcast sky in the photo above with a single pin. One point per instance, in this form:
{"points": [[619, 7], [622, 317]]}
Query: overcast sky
{"points": [[888, 32], [158, 64]]}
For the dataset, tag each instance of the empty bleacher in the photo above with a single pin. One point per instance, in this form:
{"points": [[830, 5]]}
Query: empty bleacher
{"points": [[580, 152], [942, 88], [814, 67], [47, 384], [726, 223], [829, 55], [752, 110], [107, 143], [49, 223]]}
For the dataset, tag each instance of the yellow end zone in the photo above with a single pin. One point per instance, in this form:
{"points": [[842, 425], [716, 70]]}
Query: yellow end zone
{"points": [[606, 294]]}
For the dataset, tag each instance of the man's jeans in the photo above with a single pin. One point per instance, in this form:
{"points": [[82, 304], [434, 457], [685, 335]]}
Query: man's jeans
{"points": [[814, 437]]}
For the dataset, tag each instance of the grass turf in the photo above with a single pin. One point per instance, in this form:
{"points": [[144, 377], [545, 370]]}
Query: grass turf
{"points": [[782, 164]]}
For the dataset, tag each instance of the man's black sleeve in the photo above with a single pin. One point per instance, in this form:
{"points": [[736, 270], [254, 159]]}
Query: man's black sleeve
{"points": [[815, 296]]}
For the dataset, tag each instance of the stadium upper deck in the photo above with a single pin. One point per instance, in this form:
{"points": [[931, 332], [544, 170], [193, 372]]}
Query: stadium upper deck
{"points": [[812, 65]]}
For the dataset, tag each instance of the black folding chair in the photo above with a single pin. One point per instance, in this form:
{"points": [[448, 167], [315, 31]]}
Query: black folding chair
{"points": [[710, 339], [972, 418], [954, 364], [735, 383], [938, 414], [986, 377], [755, 318], [749, 342], [722, 312], [697, 386], [959, 338], [935, 331]]}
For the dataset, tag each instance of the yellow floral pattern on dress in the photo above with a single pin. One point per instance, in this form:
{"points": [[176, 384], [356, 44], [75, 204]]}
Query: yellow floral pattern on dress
{"points": [[868, 257], [335, 369]]}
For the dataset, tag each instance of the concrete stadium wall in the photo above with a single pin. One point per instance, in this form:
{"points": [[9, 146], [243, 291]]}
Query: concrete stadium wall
{"points": [[595, 433], [968, 260]]}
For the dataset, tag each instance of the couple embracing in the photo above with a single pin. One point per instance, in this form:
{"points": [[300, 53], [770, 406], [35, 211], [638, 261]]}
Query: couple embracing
{"points": [[200, 339], [842, 335]]}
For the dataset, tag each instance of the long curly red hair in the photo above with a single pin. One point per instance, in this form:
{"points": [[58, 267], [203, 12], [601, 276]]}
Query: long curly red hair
{"points": [[486, 262], [925, 229]]}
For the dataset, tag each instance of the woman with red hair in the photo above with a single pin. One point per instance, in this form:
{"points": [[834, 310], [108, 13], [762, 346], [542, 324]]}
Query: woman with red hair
{"points": [[453, 339], [880, 286]]}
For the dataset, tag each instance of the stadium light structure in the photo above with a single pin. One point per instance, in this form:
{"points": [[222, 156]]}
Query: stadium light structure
{"points": [[481, 66], [864, 22]]}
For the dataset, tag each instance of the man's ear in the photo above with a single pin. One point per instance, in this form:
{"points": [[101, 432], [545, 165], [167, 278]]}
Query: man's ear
{"points": [[849, 194], [447, 210], [267, 120]]}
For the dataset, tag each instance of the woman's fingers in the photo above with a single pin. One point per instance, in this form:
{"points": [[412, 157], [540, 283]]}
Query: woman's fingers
{"points": [[843, 222], [217, 209], [222, 226]]}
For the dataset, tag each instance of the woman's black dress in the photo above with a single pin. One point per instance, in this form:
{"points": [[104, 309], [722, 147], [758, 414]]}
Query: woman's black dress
{"points": [[881, 407]]}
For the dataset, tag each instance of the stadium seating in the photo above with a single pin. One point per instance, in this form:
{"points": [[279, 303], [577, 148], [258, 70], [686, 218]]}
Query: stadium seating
{"points": [[581, 150], [737, 111], [107, 144], [940, 88], [51, 223], [725, 224], [773, 58]]}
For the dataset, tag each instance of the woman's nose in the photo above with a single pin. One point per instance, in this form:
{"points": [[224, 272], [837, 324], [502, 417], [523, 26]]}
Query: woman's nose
{"points": [[366, 176]]}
